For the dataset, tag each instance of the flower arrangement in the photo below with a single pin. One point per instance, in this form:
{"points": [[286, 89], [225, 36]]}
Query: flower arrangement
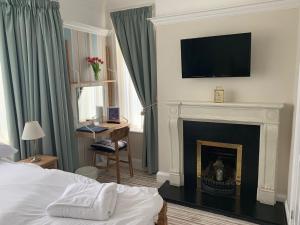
{"points": [[95, 63]]}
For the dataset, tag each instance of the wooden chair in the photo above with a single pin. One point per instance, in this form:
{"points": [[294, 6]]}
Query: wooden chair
{"points": [[118, 141]]}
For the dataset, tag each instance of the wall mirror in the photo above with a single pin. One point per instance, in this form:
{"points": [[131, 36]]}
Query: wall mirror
{"points": [[90, 102]]}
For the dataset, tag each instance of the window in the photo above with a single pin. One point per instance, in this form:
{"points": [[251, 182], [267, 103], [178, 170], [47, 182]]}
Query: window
{"points": [[3, 125], [130, 105]]}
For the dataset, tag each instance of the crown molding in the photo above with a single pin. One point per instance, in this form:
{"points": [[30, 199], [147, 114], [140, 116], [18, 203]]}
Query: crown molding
{"points": [[87, 28], [229, 11]]}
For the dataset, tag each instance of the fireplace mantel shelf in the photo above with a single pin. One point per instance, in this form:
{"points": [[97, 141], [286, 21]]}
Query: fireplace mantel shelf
{"points": [[265, 115], [229, 104]]}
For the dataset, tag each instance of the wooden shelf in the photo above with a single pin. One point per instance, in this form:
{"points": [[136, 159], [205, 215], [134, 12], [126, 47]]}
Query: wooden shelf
{"points": [[92, 83], [109, 81]]}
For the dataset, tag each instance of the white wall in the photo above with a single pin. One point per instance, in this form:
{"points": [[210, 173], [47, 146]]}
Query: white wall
{"points": [[272, 80], [90, 12], [293, 185], [186, 6]]}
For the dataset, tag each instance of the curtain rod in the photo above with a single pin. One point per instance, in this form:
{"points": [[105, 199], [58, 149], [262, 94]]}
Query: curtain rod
{"points": [[132, 7]]}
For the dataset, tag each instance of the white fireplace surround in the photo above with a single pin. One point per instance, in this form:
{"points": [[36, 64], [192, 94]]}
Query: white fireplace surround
{"points": [[267, 116]]}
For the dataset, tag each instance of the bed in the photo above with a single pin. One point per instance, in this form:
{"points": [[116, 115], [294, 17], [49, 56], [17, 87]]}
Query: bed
{"points": [[26, 190]]}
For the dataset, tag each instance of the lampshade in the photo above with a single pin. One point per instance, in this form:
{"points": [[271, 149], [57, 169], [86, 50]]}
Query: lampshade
{"points": [[32, 131]]}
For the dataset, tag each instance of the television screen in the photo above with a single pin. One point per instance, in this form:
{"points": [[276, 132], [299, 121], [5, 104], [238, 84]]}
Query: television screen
{"points": [[218, 56]]}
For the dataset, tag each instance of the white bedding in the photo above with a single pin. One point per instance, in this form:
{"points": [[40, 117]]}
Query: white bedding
{"points": [[26, 190]]}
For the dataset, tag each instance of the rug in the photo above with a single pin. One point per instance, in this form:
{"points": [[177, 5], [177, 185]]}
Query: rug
{"points": [[177, 215]]}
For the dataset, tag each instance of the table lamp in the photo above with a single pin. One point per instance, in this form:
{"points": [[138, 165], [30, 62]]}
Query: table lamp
{"points": [[32, 132]]}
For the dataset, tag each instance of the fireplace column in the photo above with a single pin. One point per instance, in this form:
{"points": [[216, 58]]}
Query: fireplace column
{"points": [[176, 167]]}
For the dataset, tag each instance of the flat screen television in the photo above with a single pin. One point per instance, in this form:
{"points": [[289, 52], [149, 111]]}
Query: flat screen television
{"points": [[217, 56]]}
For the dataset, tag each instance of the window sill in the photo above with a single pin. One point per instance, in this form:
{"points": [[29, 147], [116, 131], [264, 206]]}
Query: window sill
{"points": [[136, 130]]}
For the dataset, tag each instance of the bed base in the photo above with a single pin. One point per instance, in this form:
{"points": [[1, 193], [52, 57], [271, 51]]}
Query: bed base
{"points": [[162, 216]]}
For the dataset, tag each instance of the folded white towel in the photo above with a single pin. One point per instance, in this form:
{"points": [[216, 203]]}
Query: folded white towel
{"points": [[86, 201]]}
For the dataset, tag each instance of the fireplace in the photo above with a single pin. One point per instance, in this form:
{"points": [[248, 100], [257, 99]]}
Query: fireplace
{"points": [[208, 146], [219, 167], [263, 117], [225, 132]]}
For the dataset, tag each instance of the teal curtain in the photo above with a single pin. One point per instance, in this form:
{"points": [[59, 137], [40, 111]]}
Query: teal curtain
{"points": [[34, 71], [135, 35]]}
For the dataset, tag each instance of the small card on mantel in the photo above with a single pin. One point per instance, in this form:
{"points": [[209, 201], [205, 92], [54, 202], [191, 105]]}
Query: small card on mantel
{"points": [[219, 95]]}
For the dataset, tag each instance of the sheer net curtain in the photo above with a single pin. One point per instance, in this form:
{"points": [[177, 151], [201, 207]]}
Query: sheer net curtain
{"points": [[3, 124], [129, 103]]}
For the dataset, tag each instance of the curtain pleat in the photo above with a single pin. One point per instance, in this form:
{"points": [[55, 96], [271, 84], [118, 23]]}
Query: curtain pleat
{"points": [[35, 77], [135, 35]]}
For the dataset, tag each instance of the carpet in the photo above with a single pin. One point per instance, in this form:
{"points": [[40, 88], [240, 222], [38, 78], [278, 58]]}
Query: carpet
{"points": [[177, 215]]}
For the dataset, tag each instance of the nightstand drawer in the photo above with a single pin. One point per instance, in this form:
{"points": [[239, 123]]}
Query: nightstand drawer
{"points": [[52, 165]]}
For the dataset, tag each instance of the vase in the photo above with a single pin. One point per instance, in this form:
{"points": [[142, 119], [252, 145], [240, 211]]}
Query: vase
{"points": [[97, 75]]}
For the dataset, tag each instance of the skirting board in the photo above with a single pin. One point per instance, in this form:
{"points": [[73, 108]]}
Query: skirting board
{"points": [[281, 197], [136, 163], [162, 177]]}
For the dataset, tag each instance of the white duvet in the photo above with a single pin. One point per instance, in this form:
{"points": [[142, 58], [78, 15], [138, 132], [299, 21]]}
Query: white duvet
{"points": [[26, 190]]}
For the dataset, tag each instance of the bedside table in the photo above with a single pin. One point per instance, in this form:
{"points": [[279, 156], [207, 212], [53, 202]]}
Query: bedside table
{"points": [[47, 161]]}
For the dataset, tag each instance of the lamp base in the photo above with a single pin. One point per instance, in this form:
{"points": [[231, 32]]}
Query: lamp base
{"points": [[35, 159]]}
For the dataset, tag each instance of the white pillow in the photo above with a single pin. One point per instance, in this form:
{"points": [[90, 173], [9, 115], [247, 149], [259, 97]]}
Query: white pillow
{"points": [[7, 151]]}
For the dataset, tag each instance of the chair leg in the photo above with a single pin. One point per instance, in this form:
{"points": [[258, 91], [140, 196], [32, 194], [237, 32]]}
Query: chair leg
{"points": [[129, 160], [107, 163], [94, 159], [117, 163]]}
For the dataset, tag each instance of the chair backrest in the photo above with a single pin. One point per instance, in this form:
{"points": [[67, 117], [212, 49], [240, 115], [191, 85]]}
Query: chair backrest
{"points": [[119, 133]]}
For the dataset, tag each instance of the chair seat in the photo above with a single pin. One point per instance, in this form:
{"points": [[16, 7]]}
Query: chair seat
{"points": [[108, 146]]}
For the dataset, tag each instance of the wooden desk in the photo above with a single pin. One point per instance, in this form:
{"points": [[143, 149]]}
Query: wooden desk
{"points": [[110, 126], [85, 139]]}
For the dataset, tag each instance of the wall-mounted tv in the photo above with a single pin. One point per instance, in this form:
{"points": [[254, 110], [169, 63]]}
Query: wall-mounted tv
{"points": [[217, 56]]}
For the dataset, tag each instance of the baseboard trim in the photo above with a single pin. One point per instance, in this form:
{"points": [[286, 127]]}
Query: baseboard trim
{"points": [[281, 197], [162, 177], [137, 164], [287, 213]]}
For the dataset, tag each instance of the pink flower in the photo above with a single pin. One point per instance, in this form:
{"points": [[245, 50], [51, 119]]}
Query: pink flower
{"points": [[94, 60]]}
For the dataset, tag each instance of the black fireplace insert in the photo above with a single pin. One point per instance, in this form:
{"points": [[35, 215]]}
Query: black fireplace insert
{"points": [[219, 160]]}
